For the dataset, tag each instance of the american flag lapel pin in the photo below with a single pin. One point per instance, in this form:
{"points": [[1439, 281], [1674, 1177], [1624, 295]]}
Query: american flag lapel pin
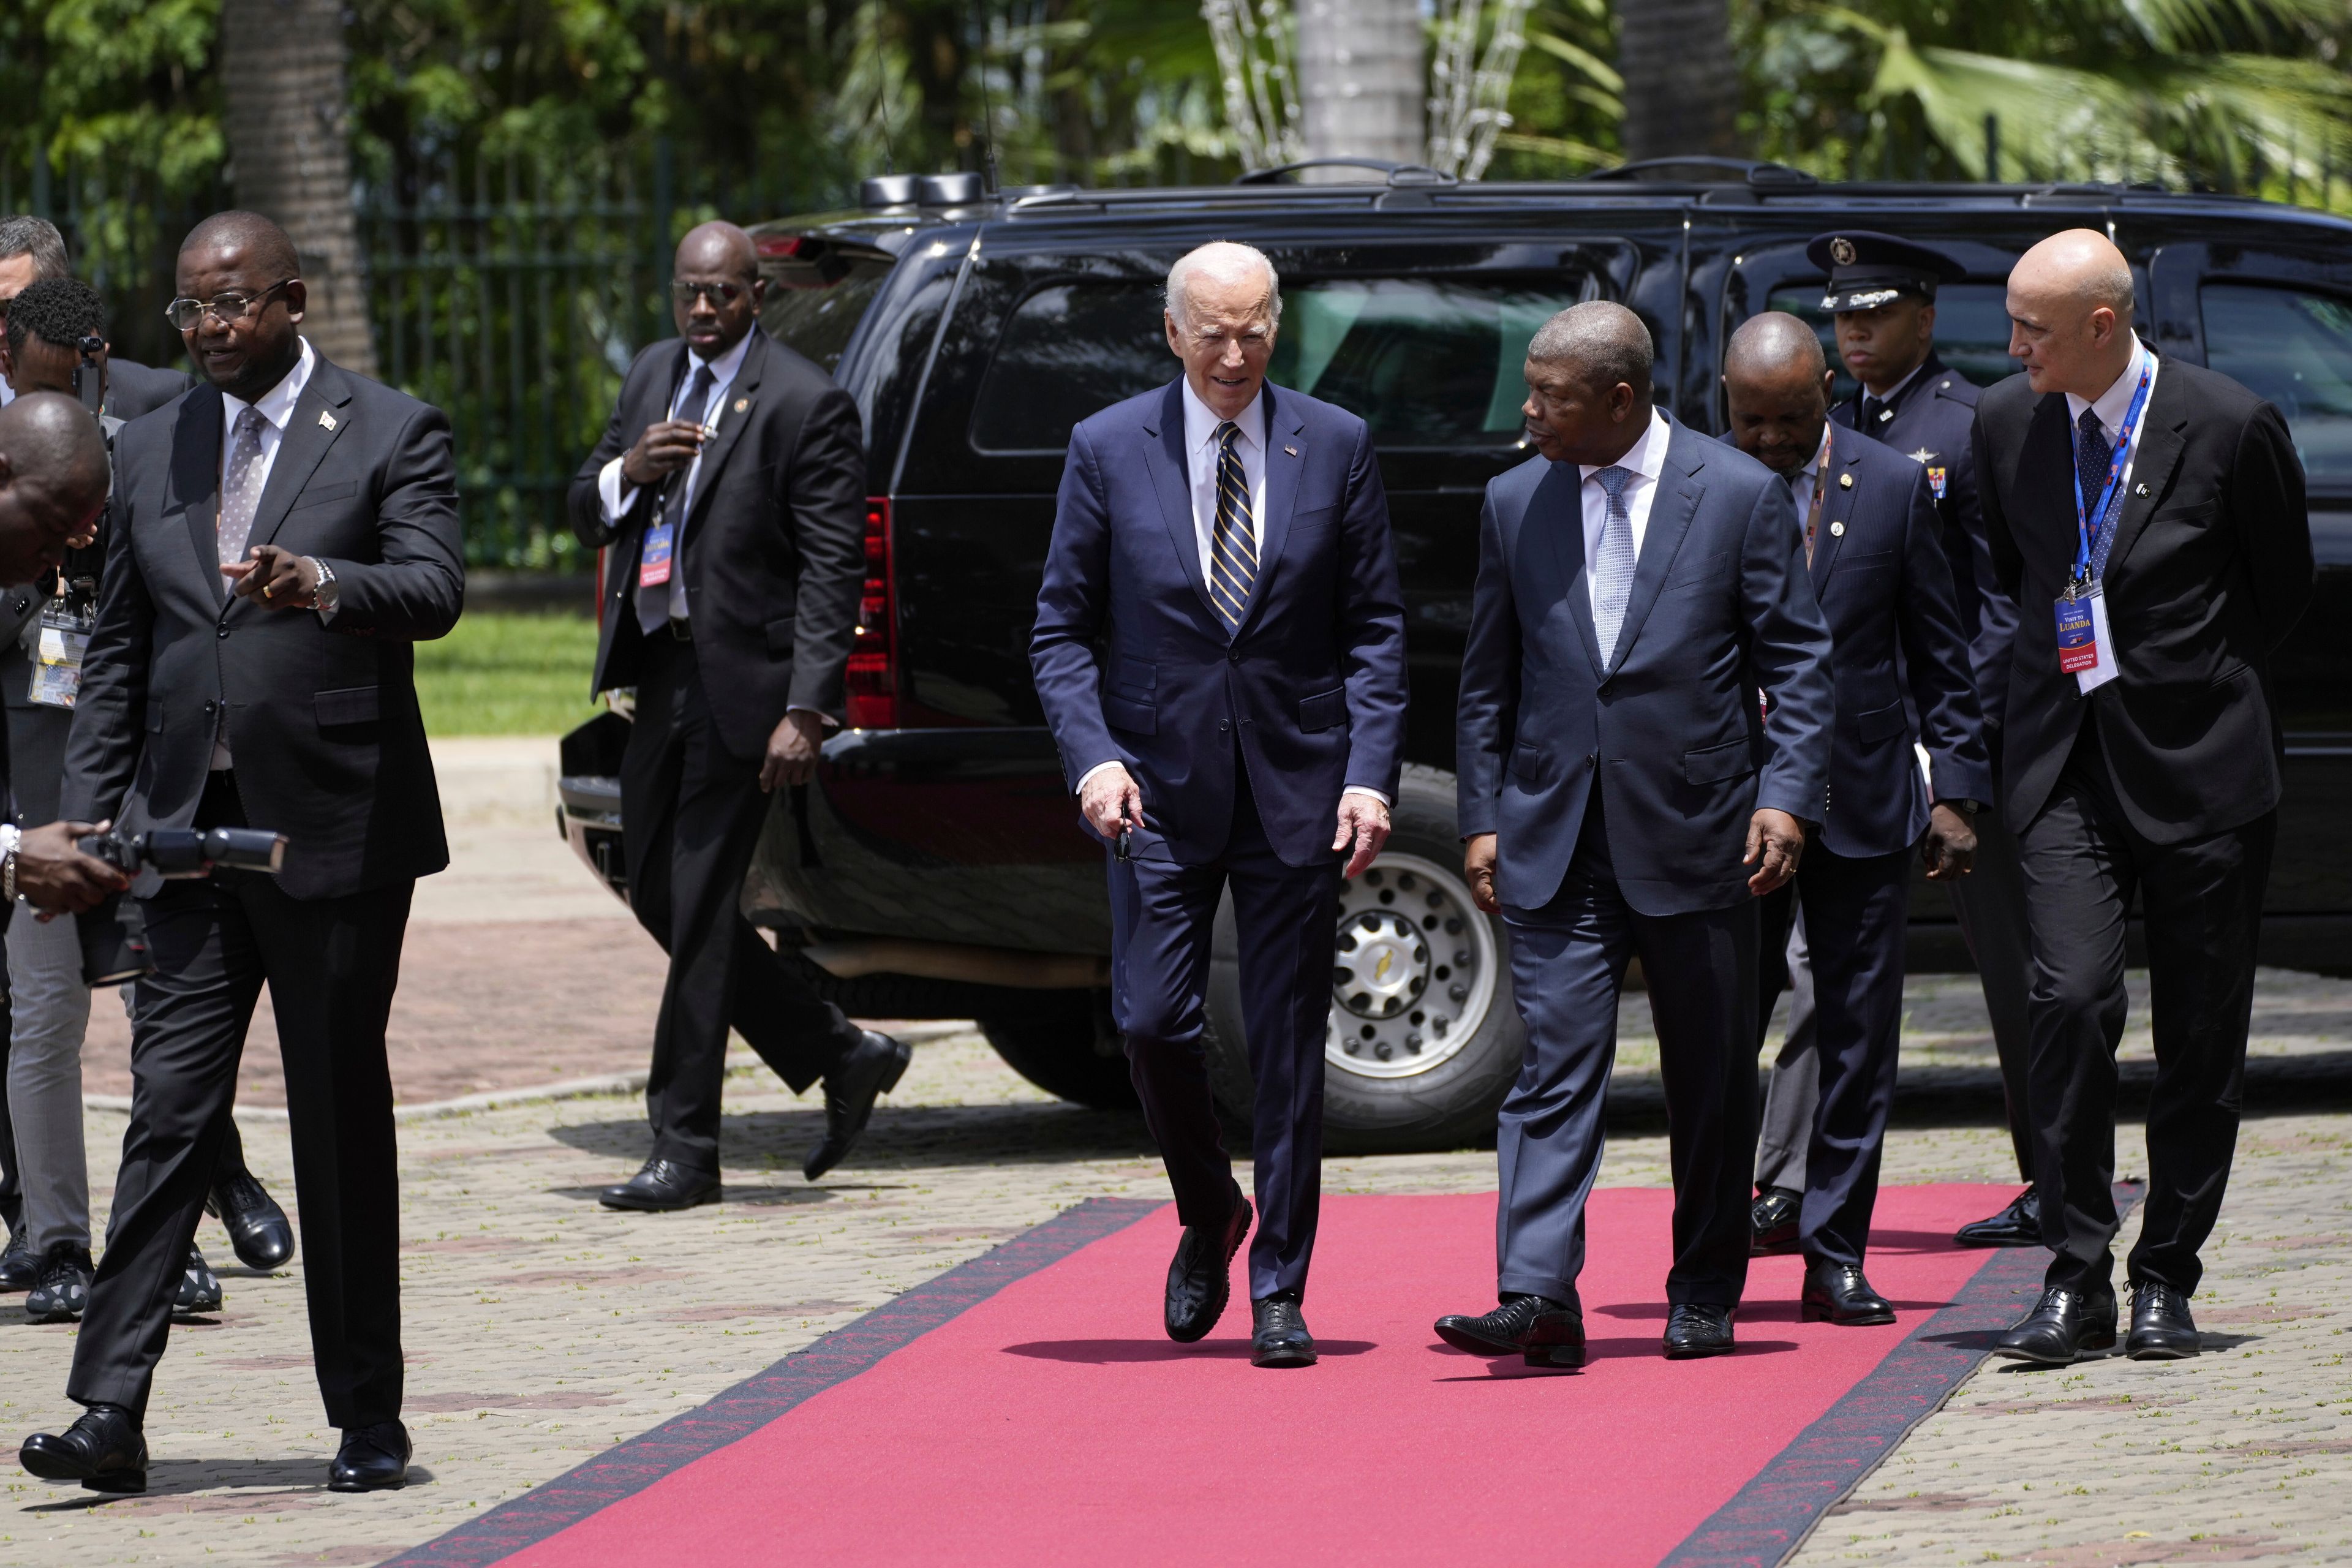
{"points": [[326, 420], [1292, 450]]}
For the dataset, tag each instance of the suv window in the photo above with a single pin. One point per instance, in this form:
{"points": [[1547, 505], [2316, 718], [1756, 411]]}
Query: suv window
{"points": [[2296, 349], [1971, 329], [815, 317], [1425, 362]]}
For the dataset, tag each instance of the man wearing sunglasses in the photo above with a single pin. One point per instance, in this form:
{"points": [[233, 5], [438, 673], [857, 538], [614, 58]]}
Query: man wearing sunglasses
{"points": [[283, 537], [728, 491]]}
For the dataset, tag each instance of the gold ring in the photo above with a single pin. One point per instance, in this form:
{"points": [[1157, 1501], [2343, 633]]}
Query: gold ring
{"points": [[268, 591]]}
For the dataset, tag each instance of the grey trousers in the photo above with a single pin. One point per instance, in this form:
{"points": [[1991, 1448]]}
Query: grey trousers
{"points": [[1794, 1090], [50, 1007]]}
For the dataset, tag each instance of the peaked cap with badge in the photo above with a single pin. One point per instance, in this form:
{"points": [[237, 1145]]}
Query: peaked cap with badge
{"points": [[1866, 268]]}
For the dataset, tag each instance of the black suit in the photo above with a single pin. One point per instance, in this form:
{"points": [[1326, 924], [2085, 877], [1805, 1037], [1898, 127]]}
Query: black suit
{"points": [[771, 552], [132, 389], [2162, 784], [329, 749]]}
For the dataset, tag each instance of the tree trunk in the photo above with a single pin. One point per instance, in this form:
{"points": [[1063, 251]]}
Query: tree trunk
{"points": [[1682, 89], [1360, 78], [287, 119]]}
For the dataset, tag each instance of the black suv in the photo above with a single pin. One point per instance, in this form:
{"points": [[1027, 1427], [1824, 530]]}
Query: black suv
{"points": [[937, 868]]}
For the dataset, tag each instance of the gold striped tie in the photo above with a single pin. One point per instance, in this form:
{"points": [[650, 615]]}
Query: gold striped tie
{"points": [[1233, 543]]}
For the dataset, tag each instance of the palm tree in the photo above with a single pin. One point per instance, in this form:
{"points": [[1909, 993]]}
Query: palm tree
{"points": [[286, 111], [1681, 85], [1360, 78]]}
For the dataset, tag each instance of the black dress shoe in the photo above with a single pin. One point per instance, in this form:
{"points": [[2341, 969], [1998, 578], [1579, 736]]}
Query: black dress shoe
{"points": [[2019, 1225], [371, 1459], [20, 1268], [662, 1185], [1546, 1333], [1200, 1277], [1278, 1335], [2062, 1326], [1695, 1329], [258, 1229], [1772, 1221], [200, 1288], [104, 1450], [871, 1069], [1838, 1292], [2161, 1328]]}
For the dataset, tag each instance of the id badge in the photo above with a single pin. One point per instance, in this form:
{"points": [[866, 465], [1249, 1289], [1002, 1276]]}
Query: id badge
{"points": [[2085, 651], [653, 566], [57, 659]]}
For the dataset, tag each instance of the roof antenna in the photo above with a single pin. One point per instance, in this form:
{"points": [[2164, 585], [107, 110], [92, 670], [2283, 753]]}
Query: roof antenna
{"points": [[987, 105]]}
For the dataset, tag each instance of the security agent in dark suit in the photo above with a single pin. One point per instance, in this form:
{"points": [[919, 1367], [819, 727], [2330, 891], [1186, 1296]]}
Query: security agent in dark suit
{"points": [[731, 488], [31, 250], [1639, 588], [282, 537], [1876, 564], [1219, 651], [2143, 760], [1881, 293]]}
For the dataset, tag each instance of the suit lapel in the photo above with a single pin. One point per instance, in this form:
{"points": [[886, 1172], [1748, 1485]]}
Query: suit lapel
{"points": [[1828, 543], [316, 424], [2160, 441], [1557, 510], [2044, 471], [1672, 508], [195, 482], [743, 395], [1163, 457], [1286, 459]]}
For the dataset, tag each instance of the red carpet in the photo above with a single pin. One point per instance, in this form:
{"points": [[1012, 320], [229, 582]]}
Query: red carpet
{"points": [[1054, 1423]]}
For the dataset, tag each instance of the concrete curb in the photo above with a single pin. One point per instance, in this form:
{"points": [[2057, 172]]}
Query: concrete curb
{"points": [[737, 1063]]}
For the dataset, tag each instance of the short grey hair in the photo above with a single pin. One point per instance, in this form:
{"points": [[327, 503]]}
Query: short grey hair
{"points": [[1602, 339], [25, 235], [1223, 258]]}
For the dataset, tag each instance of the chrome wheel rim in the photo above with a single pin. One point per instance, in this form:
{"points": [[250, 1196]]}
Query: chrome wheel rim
{"points": [[1414, 975]]}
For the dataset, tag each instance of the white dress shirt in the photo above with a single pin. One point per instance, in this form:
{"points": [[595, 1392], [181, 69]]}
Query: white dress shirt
{"points": [[1802, 481], [617, 495], [2111, 407], [1647, 460], [276, 407], [1201, 455]]}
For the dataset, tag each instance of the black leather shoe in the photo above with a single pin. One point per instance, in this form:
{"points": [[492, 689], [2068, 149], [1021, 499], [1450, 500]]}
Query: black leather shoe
{"points": [[1278, 1335], [1772, 1221], [20, 1269], [661, 1186], [1546, 1333], [2019, 1225], [258, 1229], [2062, 1326], [1695, 1329], [2161, 1328], [200, 1288], [62, 1291], [1200, 1277], [104, 1450], [1837, 1292], [871, 1069], [371, 1459]]}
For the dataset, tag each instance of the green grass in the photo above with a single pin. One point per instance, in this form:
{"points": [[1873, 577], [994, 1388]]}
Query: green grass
{"points": [[502, 673]]}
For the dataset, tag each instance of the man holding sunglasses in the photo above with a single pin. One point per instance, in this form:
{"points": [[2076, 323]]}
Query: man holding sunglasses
{"points": [[730, 489], [283, 537]]}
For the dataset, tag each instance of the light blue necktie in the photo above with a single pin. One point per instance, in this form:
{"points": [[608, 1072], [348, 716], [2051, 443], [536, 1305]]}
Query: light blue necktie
{"points": [[1612, 574]]}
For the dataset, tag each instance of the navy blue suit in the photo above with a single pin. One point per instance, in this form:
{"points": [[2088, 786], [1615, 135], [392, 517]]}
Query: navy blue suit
{"points": [[1622, 803], [1241, 743], [1903, 677]]}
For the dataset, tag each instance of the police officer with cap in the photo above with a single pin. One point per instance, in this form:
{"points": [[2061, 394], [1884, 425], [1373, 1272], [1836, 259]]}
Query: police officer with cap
{"points": [[1882, 291]]}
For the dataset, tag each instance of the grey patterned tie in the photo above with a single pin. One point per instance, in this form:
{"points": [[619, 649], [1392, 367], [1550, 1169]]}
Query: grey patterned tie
{"points": [[1612, 574], [241, 488]]}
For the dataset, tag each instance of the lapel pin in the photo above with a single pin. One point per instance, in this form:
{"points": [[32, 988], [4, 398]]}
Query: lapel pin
{"points": [[2139, 489], [326, 419], [1845, 481], [741, 403], [1837, 530], [1292, 450]]}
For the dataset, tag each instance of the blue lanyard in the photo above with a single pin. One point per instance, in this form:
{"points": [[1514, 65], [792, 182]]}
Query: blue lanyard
{"points": [[2091, 527]]}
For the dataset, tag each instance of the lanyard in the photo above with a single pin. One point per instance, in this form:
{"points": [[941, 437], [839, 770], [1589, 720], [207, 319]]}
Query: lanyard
{"points": [[1821, 482], [2091, 527]]}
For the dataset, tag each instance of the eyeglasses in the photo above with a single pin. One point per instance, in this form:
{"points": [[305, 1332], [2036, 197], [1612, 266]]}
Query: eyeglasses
{"points": [[227, 308], [723, 294]]}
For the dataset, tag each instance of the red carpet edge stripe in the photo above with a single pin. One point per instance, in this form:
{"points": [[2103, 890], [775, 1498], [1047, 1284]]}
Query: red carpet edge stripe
{"points": [[631, 1466], [1766, 1520]]}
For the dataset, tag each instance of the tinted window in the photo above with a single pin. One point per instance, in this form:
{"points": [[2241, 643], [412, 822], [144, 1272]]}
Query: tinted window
{"points": [[2295, 349], [1971, 329], [1427, 362], [815, 318]]}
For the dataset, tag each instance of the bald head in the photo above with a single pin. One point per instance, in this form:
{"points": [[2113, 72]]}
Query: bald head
{"points": [[1599, 339], [716, 290], [53, 479], [718, 247], [2070, 310], [1775, 344], [1775, 384], [1588, 374], [261, 242]]}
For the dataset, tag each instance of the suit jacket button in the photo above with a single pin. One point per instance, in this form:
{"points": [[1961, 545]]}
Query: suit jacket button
{"points": [[1222, 726], [1234, 655], [211, 707], [222, 632]]}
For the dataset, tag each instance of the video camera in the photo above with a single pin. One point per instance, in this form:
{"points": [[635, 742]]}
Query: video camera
{"points": [[88, 378], [113, 935]]}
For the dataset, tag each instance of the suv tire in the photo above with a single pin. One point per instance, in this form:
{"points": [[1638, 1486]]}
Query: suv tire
{"points": [[1064, 1043], [1393, 1103]]}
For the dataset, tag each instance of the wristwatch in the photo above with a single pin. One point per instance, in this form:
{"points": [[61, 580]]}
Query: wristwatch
{"points": [[10, 837], [323, 597], [1962, 805]]}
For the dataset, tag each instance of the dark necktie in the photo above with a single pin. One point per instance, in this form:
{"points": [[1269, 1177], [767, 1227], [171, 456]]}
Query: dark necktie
{"points": [[1233, 543], [696, 400], [2091, 454], [1873, 411]]}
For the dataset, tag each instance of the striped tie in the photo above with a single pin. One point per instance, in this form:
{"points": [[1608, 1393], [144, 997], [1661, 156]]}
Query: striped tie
{"points": [[1612, 574], [1233, 543]]}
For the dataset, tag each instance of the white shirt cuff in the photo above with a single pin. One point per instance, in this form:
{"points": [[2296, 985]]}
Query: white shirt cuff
{"points": [[827, 719], [1364, 789], [1091, 772], [617, 500]]}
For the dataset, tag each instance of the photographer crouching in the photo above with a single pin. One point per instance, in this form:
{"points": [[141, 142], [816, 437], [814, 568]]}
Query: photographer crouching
{"points": [[54, 342]]}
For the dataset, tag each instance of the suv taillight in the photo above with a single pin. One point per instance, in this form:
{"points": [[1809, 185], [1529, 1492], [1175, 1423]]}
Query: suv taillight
{"points": [[873, 685]]}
